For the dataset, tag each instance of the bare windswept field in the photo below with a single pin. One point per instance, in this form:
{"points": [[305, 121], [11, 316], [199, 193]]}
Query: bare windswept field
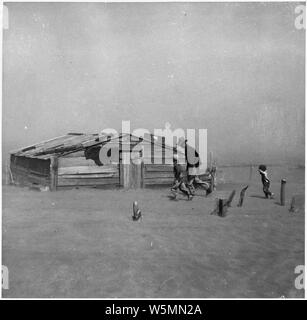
{"points": [[83, 243]]}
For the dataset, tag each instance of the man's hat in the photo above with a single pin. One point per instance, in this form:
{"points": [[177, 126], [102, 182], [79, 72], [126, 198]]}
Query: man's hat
{"points": [[182, 142]]}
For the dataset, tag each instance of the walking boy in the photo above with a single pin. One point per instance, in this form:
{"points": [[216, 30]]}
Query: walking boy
{"points": [[265, 181]]}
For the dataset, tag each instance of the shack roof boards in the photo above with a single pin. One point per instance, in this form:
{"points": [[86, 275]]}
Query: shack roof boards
{"points": [[73, 160]]}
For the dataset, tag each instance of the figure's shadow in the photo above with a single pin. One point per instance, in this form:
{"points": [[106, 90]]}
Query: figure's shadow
{"points": [[170, 197], [178, 198], [257, 196], [263, 197]]}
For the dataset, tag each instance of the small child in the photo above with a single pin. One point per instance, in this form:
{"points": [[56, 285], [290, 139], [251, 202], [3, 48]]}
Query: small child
{"points": [[265, 181], [179, 180]]}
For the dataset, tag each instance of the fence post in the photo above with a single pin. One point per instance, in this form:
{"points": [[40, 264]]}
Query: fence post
{"points": [[282, 192], [242, 195], [53, 173], [131, 171], [124, 169], [222, 207]]}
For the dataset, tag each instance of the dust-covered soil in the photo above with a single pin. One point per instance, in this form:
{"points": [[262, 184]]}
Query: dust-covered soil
{"points": [[83, 243]]}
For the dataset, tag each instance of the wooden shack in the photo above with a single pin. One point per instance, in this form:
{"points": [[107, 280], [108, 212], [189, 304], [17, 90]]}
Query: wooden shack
{"points": [[75, 160]]}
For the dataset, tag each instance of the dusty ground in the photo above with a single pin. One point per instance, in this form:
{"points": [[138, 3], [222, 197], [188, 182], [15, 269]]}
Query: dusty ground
{"points": [[82, 243]]}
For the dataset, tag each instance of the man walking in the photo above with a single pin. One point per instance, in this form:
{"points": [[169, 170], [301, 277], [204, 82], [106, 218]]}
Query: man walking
{"points": [[179, 180]]}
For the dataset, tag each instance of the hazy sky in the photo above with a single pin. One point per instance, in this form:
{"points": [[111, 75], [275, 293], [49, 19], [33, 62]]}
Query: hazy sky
{"points": [[236, 69]]}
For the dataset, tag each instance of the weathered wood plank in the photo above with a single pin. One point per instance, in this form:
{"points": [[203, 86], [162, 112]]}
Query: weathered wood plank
{"points": [[77, 154], [76, 161], [159, 174], [158, 167], [155, 161], [23, 170], [40, 144], [32, 178], [89, 176], [136, 175], [95, 186], [50, 145], [89, 170], [29, 179], [53, 173], [161, 178], [158, 181], [87, 181]]}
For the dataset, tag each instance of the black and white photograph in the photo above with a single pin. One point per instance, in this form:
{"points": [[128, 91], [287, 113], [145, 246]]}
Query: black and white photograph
{"points": [[153, 150]]}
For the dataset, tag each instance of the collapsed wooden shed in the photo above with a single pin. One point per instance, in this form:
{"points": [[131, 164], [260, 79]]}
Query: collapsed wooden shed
{"points": [[74, 160]]}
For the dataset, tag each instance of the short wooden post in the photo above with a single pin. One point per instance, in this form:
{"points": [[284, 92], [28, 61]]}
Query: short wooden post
{"points": [[242, 195], [222, 207], [53, 173], [282, 192]]}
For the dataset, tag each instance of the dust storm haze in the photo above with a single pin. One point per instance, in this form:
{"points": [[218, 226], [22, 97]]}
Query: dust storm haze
{"points": [[236, 69]]}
